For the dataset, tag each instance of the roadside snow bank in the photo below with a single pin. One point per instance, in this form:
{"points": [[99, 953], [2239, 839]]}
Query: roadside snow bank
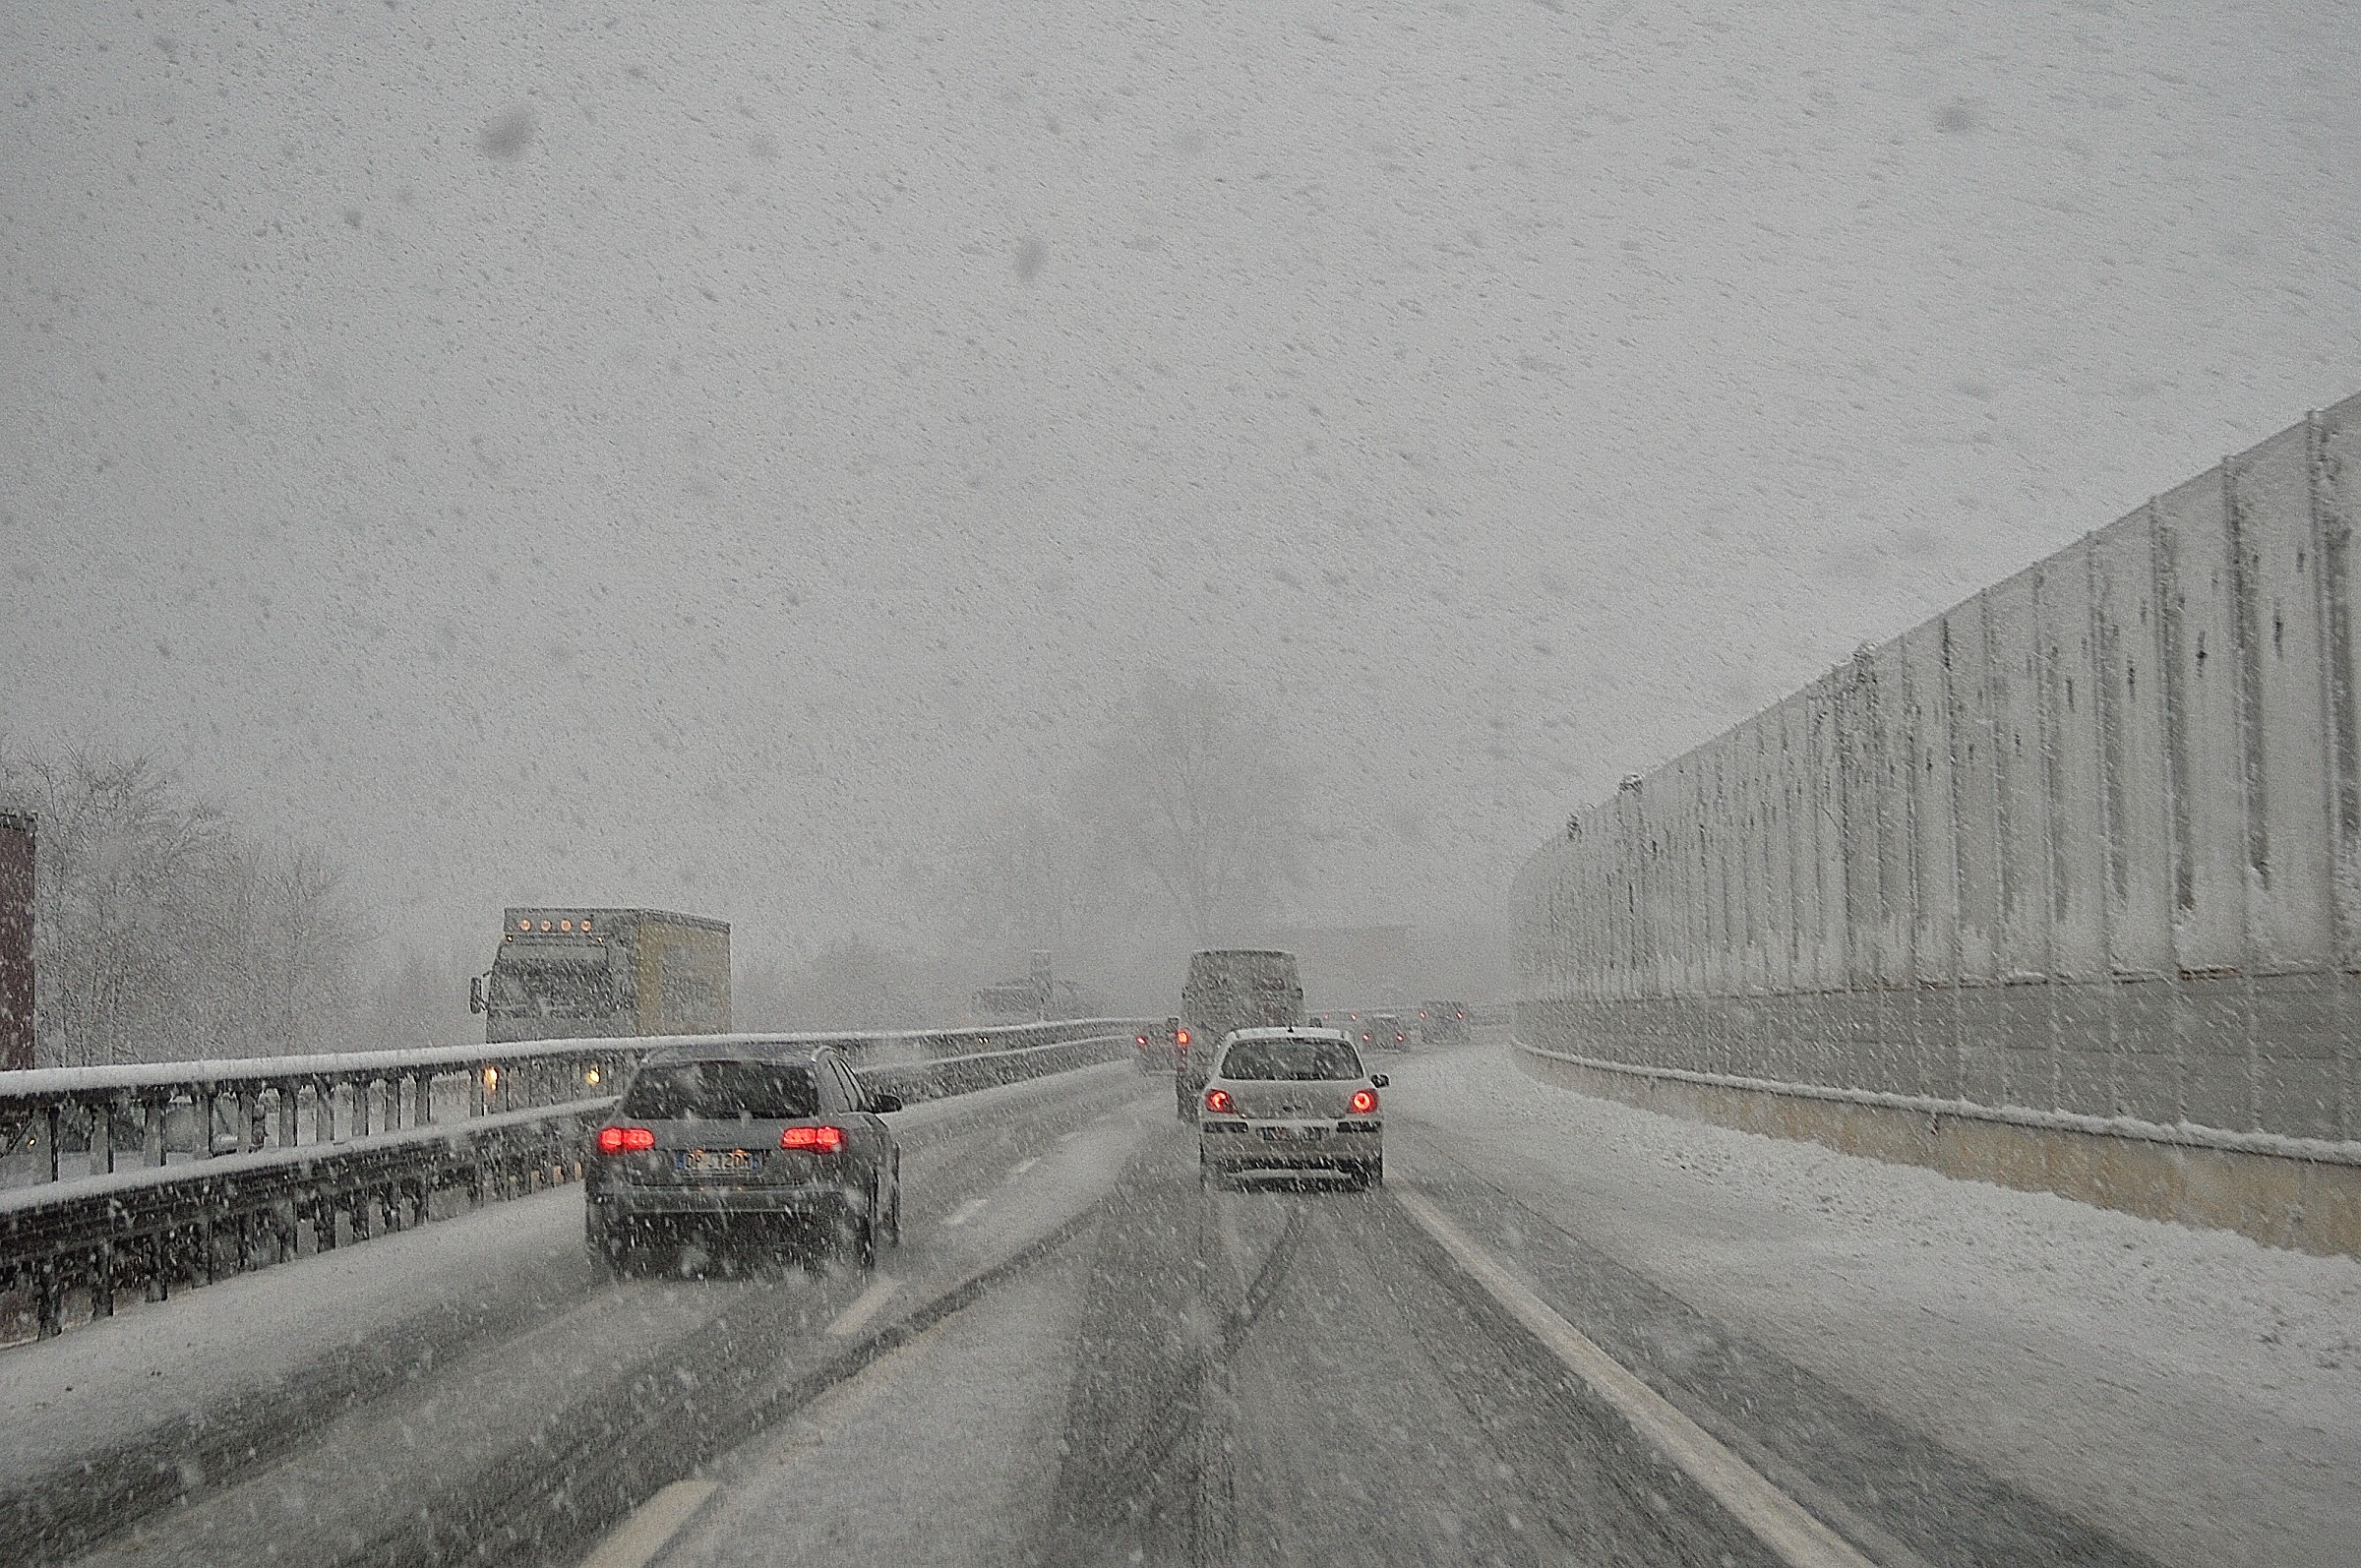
{"points": [[2192, 1393]]}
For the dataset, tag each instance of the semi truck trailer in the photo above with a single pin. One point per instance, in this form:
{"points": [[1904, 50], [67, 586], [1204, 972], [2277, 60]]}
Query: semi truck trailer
{"points": [[564, 974]]}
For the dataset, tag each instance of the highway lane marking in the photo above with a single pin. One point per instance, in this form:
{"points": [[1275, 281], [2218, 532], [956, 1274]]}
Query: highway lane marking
{"points": [[965, 1213], [1794, 1535], [1024, 1165], [651, 1526], [864, 1307]]}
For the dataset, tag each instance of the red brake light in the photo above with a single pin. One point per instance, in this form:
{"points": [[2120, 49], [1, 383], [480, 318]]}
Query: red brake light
{"points": [[819, 1140], [625, 1141], [1364, 1101], [1216, 1101], [1143, 1042], [1180, 1037]]}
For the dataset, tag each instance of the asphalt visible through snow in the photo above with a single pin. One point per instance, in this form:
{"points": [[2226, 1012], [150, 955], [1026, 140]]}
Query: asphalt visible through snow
{"points": [[1081, 1357], [1299, 1375]]}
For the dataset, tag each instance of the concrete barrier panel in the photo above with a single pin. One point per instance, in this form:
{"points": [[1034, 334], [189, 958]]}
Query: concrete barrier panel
{"points": [[2206, 737], [2136, 765], [2021, 770], [2279, 605], [2086, 846]]}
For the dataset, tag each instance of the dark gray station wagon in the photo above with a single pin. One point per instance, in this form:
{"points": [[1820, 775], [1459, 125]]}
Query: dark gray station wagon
{"points": [[774, 1142]]}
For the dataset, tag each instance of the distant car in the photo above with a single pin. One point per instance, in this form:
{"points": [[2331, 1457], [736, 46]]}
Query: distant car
{"points": [[1444, 1023], [1288, 1101], [779, 1140]]}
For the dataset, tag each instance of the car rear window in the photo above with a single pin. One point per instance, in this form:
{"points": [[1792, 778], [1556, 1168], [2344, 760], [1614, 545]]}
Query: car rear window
{"points": [[1296, 1059], [722, 1090]]}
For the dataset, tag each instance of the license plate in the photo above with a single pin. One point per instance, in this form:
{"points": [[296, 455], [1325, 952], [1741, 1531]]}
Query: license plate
{"points": [[718, 1162], [1291, 1134]]}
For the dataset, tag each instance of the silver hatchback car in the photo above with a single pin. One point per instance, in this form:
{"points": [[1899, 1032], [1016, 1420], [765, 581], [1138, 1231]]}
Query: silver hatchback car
{"points": [[1283, 1102]]}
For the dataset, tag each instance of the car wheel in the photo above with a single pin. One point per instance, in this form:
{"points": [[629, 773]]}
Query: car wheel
{"points": [[860, 1235], [600, 1245]]}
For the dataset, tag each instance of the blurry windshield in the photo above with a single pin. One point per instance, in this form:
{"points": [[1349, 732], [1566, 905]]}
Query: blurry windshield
{"points": [[716, 1090], [1291, 1060]]}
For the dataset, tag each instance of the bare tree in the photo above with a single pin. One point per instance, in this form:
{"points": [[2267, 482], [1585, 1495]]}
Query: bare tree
{"points": [[850, 983], [1190, 787], [161, 932], [1033, 879]]}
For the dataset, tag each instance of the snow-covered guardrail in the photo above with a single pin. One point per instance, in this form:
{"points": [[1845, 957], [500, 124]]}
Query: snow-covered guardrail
{"points": [[153, 1175]]}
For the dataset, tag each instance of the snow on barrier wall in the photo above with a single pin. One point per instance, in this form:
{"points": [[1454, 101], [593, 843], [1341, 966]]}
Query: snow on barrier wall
{"points": [[2082, 853]]}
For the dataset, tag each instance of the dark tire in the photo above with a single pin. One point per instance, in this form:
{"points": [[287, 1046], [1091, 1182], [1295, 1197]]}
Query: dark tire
{"points": [[856, 1238], [600, 1245], [893, 1216]]}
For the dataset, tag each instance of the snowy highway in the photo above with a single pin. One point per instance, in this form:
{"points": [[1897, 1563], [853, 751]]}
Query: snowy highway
{"points": [[1078, 1356]]}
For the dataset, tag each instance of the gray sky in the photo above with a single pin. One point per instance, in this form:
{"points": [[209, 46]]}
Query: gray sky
{"points": [[709, 455]]}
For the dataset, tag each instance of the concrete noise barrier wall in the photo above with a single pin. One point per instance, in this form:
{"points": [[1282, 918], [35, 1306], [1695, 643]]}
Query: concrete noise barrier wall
{"points": [[2060, 888]]}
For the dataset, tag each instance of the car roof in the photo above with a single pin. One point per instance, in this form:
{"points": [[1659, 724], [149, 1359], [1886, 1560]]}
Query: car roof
{"points": [[1286, 1032]]}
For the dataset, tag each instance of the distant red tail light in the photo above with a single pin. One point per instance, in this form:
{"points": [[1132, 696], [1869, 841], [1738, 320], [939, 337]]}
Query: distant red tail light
{"points": [[1364, 1101], [1180, 1040], [625, 1141], [1143, 1041], [817, 1140], [1216, 1101]]}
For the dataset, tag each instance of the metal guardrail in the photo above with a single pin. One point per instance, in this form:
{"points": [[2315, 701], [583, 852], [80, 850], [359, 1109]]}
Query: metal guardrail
{"points": [[239, 1164]]}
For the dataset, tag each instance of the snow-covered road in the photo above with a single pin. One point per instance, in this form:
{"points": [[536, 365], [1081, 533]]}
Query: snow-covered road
{"points": [[1077, 1356]]}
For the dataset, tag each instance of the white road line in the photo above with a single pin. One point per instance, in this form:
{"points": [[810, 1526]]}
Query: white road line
{"points": [[865, 1305], [651, 1527], [1778, 1521], [965, 1212], [1022, 1166]]}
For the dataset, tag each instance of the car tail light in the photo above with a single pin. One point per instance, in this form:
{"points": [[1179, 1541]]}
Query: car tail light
{"points": [[625, 1141], [1216, 1101], [1364, 1101], [819, 1140]]}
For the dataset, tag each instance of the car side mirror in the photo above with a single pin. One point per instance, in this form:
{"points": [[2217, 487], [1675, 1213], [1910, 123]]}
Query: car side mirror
{"points": [[1378, 1080], [885, 1104]]}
